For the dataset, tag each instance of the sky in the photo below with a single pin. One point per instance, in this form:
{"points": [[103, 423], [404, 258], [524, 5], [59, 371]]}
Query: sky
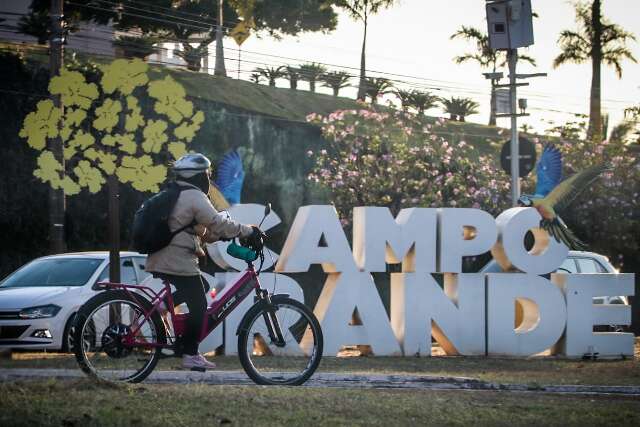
{"points": [[411, 40]]}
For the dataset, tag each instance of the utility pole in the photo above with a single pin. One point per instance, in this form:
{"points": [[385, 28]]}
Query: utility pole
{"points": [[57, 242], [219, 69], [515, 142]]}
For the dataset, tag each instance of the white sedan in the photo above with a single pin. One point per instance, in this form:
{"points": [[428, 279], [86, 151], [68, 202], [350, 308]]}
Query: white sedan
{"points": [[578, 262], [38, 302]]}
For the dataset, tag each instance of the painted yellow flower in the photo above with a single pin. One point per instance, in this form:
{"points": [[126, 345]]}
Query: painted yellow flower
{"points": [[141, 173], [41, 124], [188, 131], [134, 119], [105, 161], [88, 176], [154, 136], [48, 169], [124, 76], [73, 118], [171, 99], [107, 115], [177, 149], [69, 186], [81, 142], [73, 89]]}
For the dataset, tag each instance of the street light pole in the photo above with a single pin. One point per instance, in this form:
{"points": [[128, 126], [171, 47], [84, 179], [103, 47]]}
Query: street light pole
{"points": [[515, 146], [56, 196]]}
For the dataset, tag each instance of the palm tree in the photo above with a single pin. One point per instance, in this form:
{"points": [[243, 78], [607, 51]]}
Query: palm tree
{"points": [[598, 40], [423, 101], [271, 73], [136, 46], [377, 86], [487, 58], [255, 78], [405, 98], [459, 108], [311, 72], [193, 55], [360, 10], [336, 80], [293, 74]]}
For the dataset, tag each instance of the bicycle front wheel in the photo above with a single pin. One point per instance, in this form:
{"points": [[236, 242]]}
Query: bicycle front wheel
{"points": [[288, 362], [103, 326]]}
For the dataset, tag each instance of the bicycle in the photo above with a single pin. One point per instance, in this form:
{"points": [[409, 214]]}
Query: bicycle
{"points": [[123, 332]]}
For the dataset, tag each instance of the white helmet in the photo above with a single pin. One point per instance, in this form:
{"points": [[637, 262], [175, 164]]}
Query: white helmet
{"points": [[191, 164]]}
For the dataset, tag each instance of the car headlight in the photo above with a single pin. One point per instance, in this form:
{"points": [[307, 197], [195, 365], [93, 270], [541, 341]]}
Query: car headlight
{"points": [[39, 312]]}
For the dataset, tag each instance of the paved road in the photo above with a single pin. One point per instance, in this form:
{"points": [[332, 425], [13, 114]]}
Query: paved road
{"points": [[342, 380]]}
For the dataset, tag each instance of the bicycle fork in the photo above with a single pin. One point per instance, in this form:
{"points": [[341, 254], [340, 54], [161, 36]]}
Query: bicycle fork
{"points": [[271, 320]]}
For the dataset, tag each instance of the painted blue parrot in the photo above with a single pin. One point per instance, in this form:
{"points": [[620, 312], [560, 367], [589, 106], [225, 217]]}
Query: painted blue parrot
{"points": [[552, 195], [230, 176]]}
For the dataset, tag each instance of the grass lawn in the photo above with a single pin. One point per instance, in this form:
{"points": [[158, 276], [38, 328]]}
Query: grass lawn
{"points": [[532, 371], [81, 402]]}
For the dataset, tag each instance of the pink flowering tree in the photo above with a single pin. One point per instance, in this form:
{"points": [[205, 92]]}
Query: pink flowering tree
{"points": [[398, 160]]}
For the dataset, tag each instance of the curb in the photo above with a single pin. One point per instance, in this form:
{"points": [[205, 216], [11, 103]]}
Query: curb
{"points": [[336, 380]]}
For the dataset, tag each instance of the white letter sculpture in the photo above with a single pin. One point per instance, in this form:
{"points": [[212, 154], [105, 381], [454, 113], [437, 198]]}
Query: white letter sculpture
{"points": [[579, 290], [544, 314], [346, 289], [456, 318], [378, 239], [463, 232], [509, 251]]}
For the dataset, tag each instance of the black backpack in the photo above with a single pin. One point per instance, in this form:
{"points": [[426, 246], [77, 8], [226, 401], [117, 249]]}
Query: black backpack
{"points": [[150, 231]]}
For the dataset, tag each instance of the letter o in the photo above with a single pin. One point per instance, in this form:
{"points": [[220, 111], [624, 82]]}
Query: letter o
{"points": [[509, 251]]}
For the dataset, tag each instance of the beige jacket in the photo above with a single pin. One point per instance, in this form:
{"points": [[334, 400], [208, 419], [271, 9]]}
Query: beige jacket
{"points": [[180, 257]]}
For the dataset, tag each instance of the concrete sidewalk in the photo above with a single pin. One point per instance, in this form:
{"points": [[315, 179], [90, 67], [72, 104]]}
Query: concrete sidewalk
{"points": [[326, 379]]}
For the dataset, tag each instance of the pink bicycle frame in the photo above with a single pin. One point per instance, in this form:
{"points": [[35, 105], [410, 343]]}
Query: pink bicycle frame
{"points": [[217, 311]]}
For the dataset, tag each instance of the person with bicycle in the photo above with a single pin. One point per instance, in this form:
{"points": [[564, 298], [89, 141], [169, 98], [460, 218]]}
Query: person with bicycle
{"points": [[178, 262]]}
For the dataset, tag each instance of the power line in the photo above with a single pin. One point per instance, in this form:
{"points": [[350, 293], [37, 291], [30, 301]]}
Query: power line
{"points": [[437, 85], [411, 84]]}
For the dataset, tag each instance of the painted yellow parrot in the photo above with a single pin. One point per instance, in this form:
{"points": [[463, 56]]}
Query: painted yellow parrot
{"points": [[552, 196]]}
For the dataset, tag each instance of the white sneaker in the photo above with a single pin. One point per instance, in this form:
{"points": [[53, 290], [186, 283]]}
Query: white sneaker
{"points": [[197, 361]]}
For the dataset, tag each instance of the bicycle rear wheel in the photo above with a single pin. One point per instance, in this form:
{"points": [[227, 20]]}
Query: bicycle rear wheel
{"points": [[103, 324], [291, 362]]}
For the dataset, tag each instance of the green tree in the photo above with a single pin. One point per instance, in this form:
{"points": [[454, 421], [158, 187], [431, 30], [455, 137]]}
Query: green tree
{"points": [[378, 86], [487, 58], [422, 101], [311, 72], [136, 46], [405, 98], [399, 161], [271, 74], [336, 80], [600, 41], [459, 108], [195, 22], [360, 10], [293, 74], [255, 77]]}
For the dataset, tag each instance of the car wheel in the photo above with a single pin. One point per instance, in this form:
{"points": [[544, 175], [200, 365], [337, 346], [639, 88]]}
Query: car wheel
{"points": [[68, 343]]}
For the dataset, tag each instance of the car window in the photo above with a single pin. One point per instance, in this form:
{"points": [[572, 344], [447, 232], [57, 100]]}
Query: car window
{"points": [[140, 264], [53, 272], [568, 265], [587, 265], [127, 272]]}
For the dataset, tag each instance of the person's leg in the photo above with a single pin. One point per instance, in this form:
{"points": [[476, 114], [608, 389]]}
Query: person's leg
{"points": [[190, 290]]}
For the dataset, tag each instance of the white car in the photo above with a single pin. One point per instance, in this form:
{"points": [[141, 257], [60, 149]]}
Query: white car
{"points": [[578, 262], [39, 301]]}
